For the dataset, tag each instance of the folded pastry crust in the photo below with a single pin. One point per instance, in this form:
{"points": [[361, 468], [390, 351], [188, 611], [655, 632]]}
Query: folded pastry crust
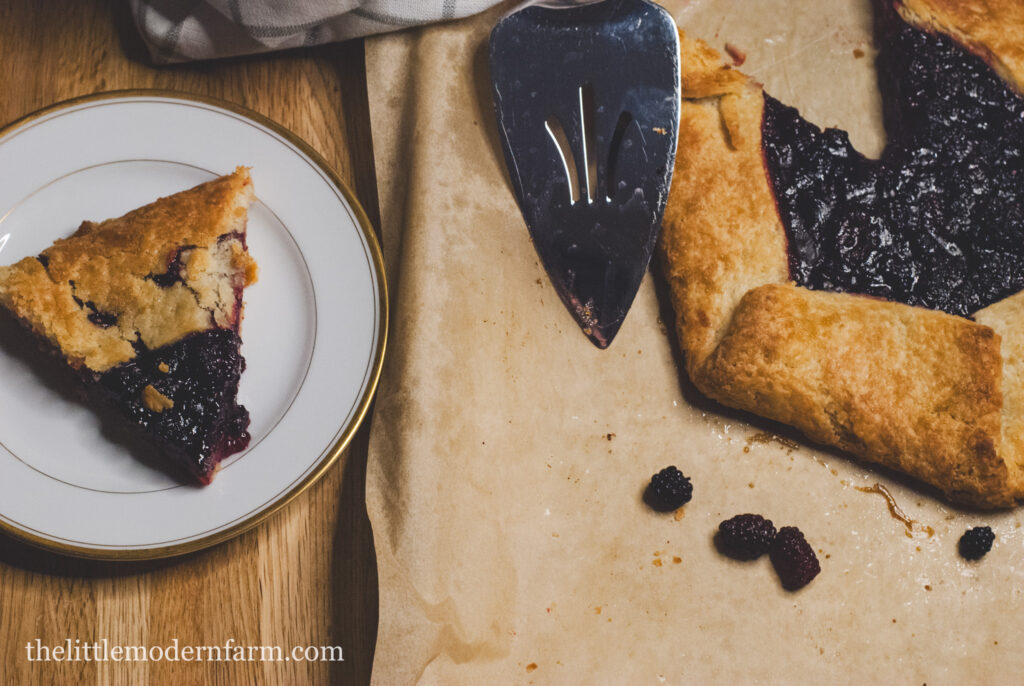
{"points": [[927, 393]]}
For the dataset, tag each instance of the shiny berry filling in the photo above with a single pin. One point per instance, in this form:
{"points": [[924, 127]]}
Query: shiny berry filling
{"points": [[199, 375], [938, 219]]}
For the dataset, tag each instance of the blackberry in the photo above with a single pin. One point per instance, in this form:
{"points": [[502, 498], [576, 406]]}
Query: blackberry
{"points": [[976, 542], [745, 536], [793, 558], [669, 490]]}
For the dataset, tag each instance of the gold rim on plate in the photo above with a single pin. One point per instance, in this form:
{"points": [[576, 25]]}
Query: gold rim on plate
{"points": [[378, 355]]}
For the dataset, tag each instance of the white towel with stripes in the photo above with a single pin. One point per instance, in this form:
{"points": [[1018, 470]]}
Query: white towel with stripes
{"points": [[183, 30]]}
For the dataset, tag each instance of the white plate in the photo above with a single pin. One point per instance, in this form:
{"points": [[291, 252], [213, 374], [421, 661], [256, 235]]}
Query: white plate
{"points": [[313, 335]]}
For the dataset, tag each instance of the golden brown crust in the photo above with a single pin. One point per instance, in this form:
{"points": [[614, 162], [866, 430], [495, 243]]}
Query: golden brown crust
{"points": [[108, 267], [992, 28], [722, 235], [912, 389], [1006, 318], [908, 388]]}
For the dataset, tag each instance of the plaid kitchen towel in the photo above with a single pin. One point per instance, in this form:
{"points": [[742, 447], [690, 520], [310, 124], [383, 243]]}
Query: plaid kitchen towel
{"points": [[181, 30]]}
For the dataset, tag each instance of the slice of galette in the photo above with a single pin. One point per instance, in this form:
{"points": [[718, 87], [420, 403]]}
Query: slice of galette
{"points": [[146, 310], [874, 304]]}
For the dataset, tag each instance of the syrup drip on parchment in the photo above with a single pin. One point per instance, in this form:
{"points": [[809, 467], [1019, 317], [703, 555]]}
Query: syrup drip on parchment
{"points": [[894, 510], [766, 437]]}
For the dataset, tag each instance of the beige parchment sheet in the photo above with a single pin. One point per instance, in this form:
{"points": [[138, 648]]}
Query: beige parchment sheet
{"points": [[508, 454]]}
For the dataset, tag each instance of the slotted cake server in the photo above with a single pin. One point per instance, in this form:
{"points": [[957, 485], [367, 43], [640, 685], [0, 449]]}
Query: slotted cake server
{"points": [[586, 94]]}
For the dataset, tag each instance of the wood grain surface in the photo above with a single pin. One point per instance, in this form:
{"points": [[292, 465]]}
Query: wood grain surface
{"points": [[305, 577]]}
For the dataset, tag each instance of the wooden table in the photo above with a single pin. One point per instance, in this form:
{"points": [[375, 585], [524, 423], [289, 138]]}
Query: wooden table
{"points": [[305, 577]]}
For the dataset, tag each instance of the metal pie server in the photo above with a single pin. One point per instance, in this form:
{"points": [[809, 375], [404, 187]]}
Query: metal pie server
{"points": [[587, 99]]}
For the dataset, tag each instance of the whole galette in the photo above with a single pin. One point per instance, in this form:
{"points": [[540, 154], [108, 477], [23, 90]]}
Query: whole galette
{"points": [[874, 304]]}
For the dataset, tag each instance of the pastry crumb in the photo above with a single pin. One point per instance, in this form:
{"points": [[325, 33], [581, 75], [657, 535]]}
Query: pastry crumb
{"points": [[154, 400]]}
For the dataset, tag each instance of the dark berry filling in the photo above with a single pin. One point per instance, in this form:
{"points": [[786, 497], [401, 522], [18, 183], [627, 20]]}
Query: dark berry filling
{"points": [[232, 235], [199, 375], [173, 273], [78, 301], [104, 320], [938, 220]]}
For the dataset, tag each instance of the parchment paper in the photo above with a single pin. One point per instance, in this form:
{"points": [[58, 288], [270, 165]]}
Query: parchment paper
{"points": [[508, 454]]}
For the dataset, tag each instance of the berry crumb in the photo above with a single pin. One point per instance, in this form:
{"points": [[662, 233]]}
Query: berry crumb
{"points": [[745, 536], [793, 558], [976, 542], [669, 490]]}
